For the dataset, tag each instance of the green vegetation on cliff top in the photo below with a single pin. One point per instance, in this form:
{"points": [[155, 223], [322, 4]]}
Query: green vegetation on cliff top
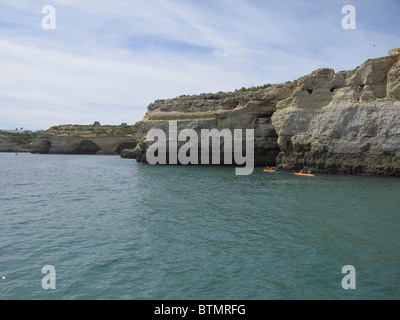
{"points": [[21, 138], [237, 91], [254, 88], [94, 129]]}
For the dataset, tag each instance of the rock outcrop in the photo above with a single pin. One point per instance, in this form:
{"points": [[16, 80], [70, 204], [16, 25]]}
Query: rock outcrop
{"points": [[16, 141], [9, 146], [333, 122], [74, 144], [85, 139], [345, 122], [234, 110]]}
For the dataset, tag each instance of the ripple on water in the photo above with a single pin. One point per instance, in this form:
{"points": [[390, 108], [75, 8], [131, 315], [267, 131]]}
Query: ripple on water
{"points": [[116, 229]]}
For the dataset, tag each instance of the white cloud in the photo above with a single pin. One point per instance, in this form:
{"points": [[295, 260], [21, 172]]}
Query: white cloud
{"points": [[107, 60]]}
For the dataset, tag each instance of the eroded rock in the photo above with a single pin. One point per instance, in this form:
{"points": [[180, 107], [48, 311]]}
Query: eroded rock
{"points": [[352, 129]]}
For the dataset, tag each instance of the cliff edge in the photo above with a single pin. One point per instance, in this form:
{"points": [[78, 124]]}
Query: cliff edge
{"points": [[330, 122], [345, 122], [81, 139], [243, 109], [16, 141]]}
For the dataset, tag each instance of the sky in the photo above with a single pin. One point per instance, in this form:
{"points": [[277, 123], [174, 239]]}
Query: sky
{"points": [[108, 60]]}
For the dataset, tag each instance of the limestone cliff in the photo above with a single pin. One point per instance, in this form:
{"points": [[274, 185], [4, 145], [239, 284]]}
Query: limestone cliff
{"points": [[16, 141], [9, 146], [100, 140], [345, 122], [333, 122], [234, 110]]}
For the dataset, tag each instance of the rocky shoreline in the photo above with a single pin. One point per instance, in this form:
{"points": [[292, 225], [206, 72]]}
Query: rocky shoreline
{"points": [[79, 139], [341, 123], [330, 122], [346, 122], [72, 139], [16, 141]]}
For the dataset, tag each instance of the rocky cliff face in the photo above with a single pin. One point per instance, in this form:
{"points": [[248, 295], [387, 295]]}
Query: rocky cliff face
{"points": [[235, 110], [72, 144], [85, 139], [16, 141], [344, 122], [9, 146]]}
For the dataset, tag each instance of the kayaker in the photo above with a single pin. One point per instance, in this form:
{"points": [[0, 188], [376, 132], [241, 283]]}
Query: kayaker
{"points": [[302, 171]]}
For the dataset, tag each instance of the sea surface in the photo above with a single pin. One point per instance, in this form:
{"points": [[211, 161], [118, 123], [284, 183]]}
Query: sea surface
{"points": [[115, 229]]}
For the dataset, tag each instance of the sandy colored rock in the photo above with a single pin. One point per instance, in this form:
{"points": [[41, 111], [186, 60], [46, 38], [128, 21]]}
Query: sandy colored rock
{"points": [[74, 144], [327, 121], [352, 128], [234, 110]]}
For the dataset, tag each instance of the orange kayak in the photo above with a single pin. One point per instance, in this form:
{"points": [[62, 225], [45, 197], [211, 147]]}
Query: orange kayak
{"points": [[265, 170], [304, 174]]}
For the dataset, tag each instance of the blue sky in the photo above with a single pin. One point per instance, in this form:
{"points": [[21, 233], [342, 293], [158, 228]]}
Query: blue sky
{"points": [[108, 60]]}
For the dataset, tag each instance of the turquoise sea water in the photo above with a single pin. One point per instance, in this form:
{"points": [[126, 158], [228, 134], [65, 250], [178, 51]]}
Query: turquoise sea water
{"points": [[116, 229]]}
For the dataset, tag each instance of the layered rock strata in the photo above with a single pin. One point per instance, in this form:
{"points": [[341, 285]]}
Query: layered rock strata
{"points": [[75, 144], [234, 110], [9, 146], [345, 122], [333, 122], [16, 141]]}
